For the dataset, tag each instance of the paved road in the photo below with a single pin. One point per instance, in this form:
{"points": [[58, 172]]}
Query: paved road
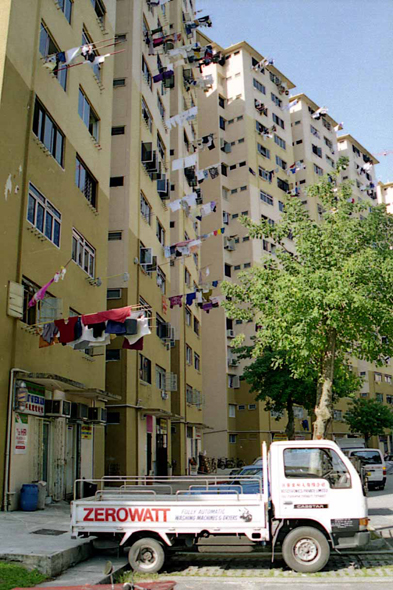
{"points": [[281, 585], [380, 505]]}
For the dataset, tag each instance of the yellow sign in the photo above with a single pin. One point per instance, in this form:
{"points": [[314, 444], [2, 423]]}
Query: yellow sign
{"points": [[87, 432]]}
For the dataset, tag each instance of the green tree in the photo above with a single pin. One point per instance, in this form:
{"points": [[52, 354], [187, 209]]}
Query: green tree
{"points": [[369, 417], [327, 294], [275, 385]]}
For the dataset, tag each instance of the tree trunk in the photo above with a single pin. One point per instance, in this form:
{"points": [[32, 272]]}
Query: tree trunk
{"points": [[290, 428], [323, 410]]}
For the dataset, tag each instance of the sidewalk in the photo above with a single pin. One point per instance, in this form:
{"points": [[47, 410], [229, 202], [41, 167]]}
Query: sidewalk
{"points": [[42, 539]]}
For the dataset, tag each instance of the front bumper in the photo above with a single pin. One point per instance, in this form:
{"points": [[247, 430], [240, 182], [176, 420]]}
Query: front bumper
{"points": [[360, 539]]}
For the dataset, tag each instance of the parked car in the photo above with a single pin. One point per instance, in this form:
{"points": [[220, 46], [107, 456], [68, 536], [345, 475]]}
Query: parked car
{"points": [[374, 465]]}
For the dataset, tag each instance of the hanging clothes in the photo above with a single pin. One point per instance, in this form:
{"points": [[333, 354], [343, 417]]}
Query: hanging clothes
{"points": [[49, 332], [118, 315], [190, 298], [69, 330], [175, 300]]}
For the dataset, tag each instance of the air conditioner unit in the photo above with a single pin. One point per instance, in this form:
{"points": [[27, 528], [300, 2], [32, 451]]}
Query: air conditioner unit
{"points": [[147, 152], [79, 411], [230, 333], [97, 415], [232, 362], [57, 407]]}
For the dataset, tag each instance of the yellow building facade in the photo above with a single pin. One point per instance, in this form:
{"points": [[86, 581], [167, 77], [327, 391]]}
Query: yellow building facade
{"points": [[55, 157]]}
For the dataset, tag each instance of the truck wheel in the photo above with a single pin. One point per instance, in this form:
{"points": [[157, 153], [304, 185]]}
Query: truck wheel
{"points": [[306, 550], [146, 555]]}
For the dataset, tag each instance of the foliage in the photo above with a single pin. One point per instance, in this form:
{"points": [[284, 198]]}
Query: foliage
{"points": [[327, 294], [16, 576], [274, 384], [369, 417]]}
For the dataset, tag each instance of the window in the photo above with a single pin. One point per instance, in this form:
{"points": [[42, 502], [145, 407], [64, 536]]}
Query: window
{"points": [[316, 464], [197, 362], [160, 233], [241, 164], [247, 265], [188, 316], [66, 7], [314, 131], [99, 8], [263, 151], [222, 123], [259, 86], [221, 101], [328, 143], [317, 151], [113, 293], [277, 101], [326, 124], [49, 47], [232, 438], [233, 191], [388, 378], [145, 307], [281, 163], [196, 326], [161, 107], [243, 188], [232, 410], [240, 118], [318, 170], [87, 40], [83, 254], [115, 235], [280, 142], [224, 169], [299, 141], [112, 355], [378, 377], [266, 198], [283, 185], [297, 122], [389, 399], [144, 369], [162, 328], [161, 280], [265, 245], [86, 182], [241, 140], [278, 121], [232, 167], [241, 407], [379, 397], [119, 130], [47, 310], [119, 82], [145, 209], [281, 206], [252, 406], [227, 270], [160, 378], [330, 160], [88, 115], [188, 355], [116, 181], [231, 121], [146, 73], [43, 216], [369, 457], [337, 415], [48, 132]]}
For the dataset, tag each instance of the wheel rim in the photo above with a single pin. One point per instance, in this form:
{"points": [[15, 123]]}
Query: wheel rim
{"points": [[306, 550], [147, 557]]}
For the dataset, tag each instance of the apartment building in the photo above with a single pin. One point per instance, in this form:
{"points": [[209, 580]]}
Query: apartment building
{"points": [[187, 401], [248, 111], [360, 169], [55, 154], [271, 145], [385, 195]]}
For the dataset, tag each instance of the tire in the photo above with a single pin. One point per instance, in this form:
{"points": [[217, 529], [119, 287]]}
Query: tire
{"points": [[146, 556], [306, 549]]}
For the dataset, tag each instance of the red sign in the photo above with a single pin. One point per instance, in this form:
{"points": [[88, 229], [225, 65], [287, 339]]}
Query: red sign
{"points": [[125, 514]]}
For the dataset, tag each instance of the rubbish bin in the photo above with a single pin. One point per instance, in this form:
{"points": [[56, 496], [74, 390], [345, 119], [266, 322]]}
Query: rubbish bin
{"points": [[29, 497], [41, 495]]}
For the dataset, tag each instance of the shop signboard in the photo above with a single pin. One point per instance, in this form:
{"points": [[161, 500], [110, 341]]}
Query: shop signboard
{"points": [[21, 432]]}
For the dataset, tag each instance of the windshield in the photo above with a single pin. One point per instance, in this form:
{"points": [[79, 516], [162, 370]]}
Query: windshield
{"points": [[369, 457], [251, 471]]}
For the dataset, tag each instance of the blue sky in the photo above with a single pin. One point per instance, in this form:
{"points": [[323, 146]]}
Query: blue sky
{"points": [[338, 52]]}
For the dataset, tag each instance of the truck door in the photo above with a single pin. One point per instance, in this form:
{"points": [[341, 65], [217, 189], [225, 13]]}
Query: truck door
{"points": [[315, 483]]}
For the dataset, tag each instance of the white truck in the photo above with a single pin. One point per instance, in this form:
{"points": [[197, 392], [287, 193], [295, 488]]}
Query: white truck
{"points": [[308, 499]]}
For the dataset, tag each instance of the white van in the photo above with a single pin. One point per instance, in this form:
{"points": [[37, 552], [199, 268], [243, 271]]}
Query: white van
{"points": [[373, 463]]}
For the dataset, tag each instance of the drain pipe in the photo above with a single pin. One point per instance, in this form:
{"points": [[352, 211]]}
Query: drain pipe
{"points": [[9, 433]]}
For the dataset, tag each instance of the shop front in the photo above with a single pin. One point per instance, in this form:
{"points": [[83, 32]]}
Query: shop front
{"points": [[56, 435]]}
